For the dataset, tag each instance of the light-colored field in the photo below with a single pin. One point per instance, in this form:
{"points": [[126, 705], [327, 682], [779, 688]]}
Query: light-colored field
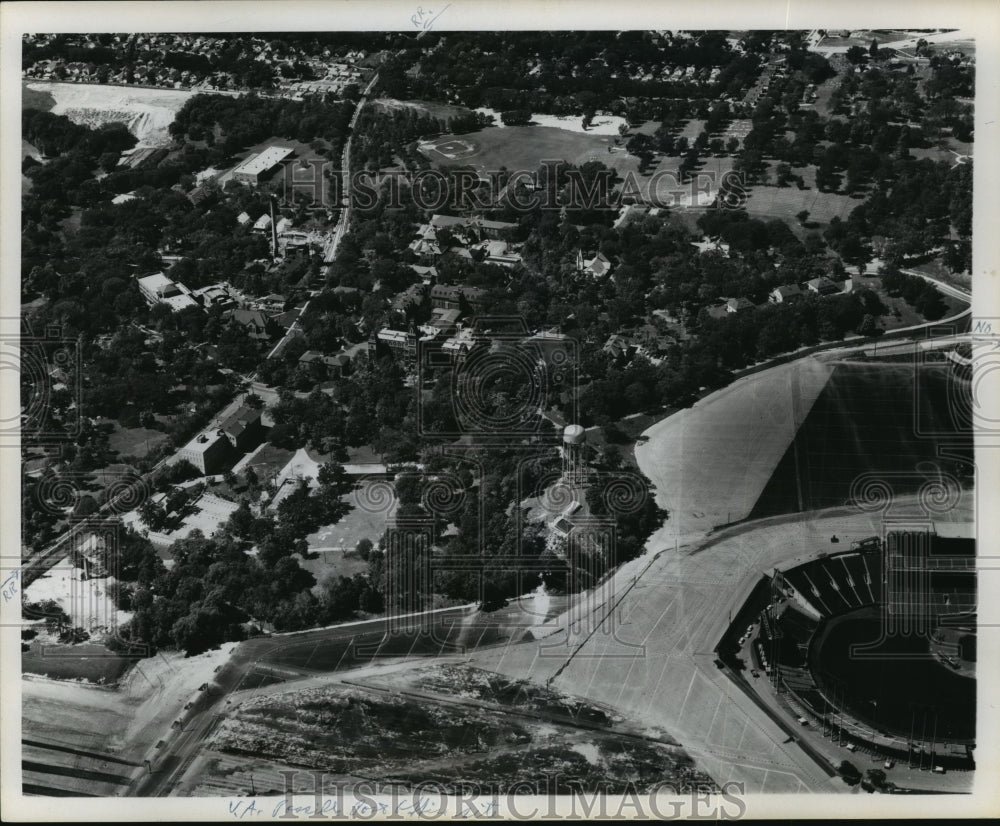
{"points": [[786, 202], [127, 721], [147, 112], [600, 125], [518, 148], [710, 462], [86, 601], [525, 147], [206, 515], [135, 441]]}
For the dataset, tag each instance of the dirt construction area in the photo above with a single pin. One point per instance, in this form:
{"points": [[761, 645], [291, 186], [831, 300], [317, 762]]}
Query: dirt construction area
{"points": [[439, 722]]}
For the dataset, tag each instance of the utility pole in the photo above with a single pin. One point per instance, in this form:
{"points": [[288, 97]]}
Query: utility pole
{"points": [[934, 740], [923, 738]]}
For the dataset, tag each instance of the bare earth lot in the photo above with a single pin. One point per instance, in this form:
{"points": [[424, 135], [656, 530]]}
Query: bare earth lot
{"points": [[420, 723], [146, 112]]}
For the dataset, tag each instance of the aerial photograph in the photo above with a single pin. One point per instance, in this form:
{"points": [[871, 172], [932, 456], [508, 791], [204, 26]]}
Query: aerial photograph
{"points": [[433, 414]]}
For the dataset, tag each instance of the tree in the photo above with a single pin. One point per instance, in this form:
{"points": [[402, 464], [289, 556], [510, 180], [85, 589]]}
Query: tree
{"points": [[516, 117], [151, 515], [803, 216], [849, 772], [856, 55]]}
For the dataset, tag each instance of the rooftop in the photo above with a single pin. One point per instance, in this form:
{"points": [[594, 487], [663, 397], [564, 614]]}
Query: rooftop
{"points": [[263, 161], [238, 421]]}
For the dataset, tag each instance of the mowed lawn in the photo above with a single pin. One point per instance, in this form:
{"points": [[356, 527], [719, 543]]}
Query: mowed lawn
{"points": [[135, 441], [787, 201], [525, 147]]}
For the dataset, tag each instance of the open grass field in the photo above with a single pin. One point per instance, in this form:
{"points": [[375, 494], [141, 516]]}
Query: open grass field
{"points": [[135, 441], [268, 461], [88, 661], [449, 148], [520, 147], [526, 147], [785, 202]]}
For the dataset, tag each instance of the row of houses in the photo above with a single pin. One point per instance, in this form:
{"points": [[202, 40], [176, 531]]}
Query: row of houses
{"points": [[647, 341], [341, 363], [783, 294]]}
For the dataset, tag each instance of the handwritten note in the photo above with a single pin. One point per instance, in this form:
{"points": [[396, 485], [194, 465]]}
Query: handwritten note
{"points": [[424, 19], [9, 586]]}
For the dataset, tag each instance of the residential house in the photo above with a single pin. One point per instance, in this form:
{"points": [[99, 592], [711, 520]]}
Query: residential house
{"points": [[259, 325], [734, 305], [273, 303], [426, 274], [243, 428], [822, 286], [618, 347], [215, 295], [786, 292]]}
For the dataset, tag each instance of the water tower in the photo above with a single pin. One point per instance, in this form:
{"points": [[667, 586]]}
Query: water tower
{"points": [[573, 441]]}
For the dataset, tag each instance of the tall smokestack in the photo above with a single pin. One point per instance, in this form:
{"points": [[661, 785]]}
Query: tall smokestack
{"points": [[274, 231]]}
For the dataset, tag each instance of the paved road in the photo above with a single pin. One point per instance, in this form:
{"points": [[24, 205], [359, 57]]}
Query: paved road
{"points": [[330, 253]]}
